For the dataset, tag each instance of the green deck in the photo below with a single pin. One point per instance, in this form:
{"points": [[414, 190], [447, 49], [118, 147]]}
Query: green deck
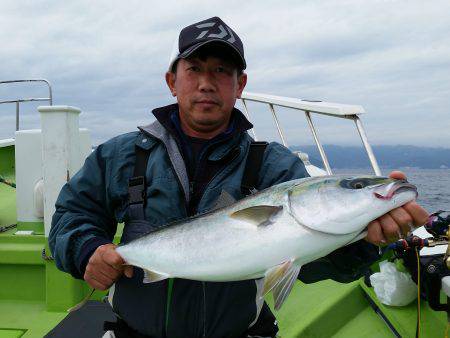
{"points": [[34, 295]]}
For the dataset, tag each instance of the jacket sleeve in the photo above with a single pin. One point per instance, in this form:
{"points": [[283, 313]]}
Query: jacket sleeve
{"points": [[83, 219], [343, 265]]}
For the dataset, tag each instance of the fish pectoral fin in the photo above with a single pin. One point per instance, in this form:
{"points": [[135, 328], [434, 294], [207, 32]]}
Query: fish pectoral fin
{"points": [[257, 215], [280, 279], [153, 276], [274, 275], [282, 290]]}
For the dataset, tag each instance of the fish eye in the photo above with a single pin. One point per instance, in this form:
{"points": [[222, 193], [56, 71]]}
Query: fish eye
{"points": [[357, 183]]}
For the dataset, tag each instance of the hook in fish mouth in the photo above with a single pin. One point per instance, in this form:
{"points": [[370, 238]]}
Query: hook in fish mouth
{"points": [[395, 188]]}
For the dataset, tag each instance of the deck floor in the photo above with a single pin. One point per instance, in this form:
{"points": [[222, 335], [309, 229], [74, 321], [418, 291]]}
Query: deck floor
{"points": [[26, 319]]}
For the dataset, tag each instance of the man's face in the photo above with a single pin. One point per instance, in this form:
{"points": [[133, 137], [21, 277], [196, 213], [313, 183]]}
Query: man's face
{"points": [[206, 92]]}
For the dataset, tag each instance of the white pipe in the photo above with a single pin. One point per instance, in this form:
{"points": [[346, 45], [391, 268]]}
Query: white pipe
{"points": [[247, 115], [319, 145], [277, 123], [362, 134]]}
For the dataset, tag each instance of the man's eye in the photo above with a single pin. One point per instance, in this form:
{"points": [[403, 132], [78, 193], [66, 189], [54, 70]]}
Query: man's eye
{"points": [[194, 68], [222, 69]]}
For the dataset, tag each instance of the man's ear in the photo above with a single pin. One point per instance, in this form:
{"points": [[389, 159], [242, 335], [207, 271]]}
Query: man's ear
{"points": [[242, 81], [170, 80]]}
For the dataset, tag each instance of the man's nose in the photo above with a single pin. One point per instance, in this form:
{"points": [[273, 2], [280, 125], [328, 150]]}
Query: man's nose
{"points": [[206, 82]]}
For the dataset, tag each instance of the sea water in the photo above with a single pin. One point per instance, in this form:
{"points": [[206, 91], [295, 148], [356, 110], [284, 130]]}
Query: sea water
{"points": [[433, 185]]}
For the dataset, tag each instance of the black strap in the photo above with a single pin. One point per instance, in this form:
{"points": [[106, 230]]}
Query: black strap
{"points": [[252, 167], [137, 184]]}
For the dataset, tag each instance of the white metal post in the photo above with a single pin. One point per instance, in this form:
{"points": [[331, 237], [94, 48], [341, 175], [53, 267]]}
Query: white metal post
{"points": [[319, 145], [248, 118], [278, 125], [367, 146], [60, 153]]}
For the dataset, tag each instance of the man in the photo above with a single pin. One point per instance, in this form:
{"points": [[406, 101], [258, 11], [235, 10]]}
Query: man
{"points": [[177, 167]]}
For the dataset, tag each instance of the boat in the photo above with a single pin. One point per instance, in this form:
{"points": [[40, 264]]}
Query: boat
{"points": [[35, 295]]}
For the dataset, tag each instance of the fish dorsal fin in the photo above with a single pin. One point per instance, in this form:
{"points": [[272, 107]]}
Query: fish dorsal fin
{"points": [[280, 279], [257, 215], [224, 200], [153, 276]]}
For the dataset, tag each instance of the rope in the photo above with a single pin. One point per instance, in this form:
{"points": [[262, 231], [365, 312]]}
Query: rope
{"points": [[4, 180], [45, 257], [7, 227]]}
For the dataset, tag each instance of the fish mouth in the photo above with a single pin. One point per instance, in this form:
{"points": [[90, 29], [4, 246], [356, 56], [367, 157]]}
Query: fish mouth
{"points": [[395, 188]]}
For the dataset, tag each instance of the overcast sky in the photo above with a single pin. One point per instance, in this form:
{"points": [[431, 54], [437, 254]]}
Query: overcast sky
{"points": [[109, 58]]}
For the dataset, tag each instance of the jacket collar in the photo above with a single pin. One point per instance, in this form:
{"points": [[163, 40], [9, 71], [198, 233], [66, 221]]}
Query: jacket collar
{"points": [[167, 117]]}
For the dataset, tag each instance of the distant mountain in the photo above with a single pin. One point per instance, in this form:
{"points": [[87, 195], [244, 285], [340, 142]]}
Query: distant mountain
{"points": [[387, 156]]}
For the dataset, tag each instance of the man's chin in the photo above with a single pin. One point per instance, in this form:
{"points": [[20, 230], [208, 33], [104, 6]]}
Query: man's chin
{"points": [[208, 127]]}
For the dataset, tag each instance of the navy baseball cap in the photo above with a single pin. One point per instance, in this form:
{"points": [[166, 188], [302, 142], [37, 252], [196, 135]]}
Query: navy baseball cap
{"points": [[212, 30]]}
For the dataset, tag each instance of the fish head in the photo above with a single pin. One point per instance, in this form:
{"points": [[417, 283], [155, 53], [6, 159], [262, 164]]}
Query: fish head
{"points": [[343, 204]]}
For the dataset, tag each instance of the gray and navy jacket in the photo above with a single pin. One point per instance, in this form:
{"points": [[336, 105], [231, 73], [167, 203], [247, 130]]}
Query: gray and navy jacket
{"points": [[92, 203]]}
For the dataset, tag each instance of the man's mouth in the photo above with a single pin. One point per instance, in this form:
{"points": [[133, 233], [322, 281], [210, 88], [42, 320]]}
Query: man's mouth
{"points": [[206, 102]]}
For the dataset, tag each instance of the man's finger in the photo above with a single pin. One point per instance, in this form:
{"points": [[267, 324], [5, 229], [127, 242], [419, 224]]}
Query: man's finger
{"points": [[94, 283], [389, 227], [375, 234], [402, 218], [418, 214], [397, 174], [128, 271], [112, 258], [110, 272], [98, 275], [103, 279]]}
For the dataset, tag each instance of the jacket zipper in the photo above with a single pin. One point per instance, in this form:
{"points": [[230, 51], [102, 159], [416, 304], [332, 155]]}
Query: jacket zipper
{"points": [[171, 280]]}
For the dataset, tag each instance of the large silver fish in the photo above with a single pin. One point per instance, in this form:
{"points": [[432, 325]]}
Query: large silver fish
{"points": [[270, 234]]}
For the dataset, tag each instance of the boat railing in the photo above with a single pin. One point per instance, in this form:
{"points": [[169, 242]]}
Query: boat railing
{"points": [[309, 107], [31, 99]]}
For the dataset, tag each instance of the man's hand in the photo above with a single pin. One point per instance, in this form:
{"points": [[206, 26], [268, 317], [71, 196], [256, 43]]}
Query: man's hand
{"points": [[398, 222], [105, 267]]}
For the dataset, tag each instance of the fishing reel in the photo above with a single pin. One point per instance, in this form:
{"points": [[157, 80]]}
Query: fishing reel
{"points": [[431, 270]]}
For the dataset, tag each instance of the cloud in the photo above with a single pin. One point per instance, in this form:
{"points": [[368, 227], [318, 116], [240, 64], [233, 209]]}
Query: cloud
{"points": [[109, 59]]}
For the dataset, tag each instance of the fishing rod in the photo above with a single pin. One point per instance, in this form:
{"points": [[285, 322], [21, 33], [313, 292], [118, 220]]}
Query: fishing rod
{"points": [[428, 271]]}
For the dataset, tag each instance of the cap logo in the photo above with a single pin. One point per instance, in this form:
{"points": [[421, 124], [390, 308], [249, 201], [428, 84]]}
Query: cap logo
{"points": [[223, 33]]}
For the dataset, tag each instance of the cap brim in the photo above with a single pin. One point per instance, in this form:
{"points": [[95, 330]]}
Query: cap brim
{"points": [[193, 48]]}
